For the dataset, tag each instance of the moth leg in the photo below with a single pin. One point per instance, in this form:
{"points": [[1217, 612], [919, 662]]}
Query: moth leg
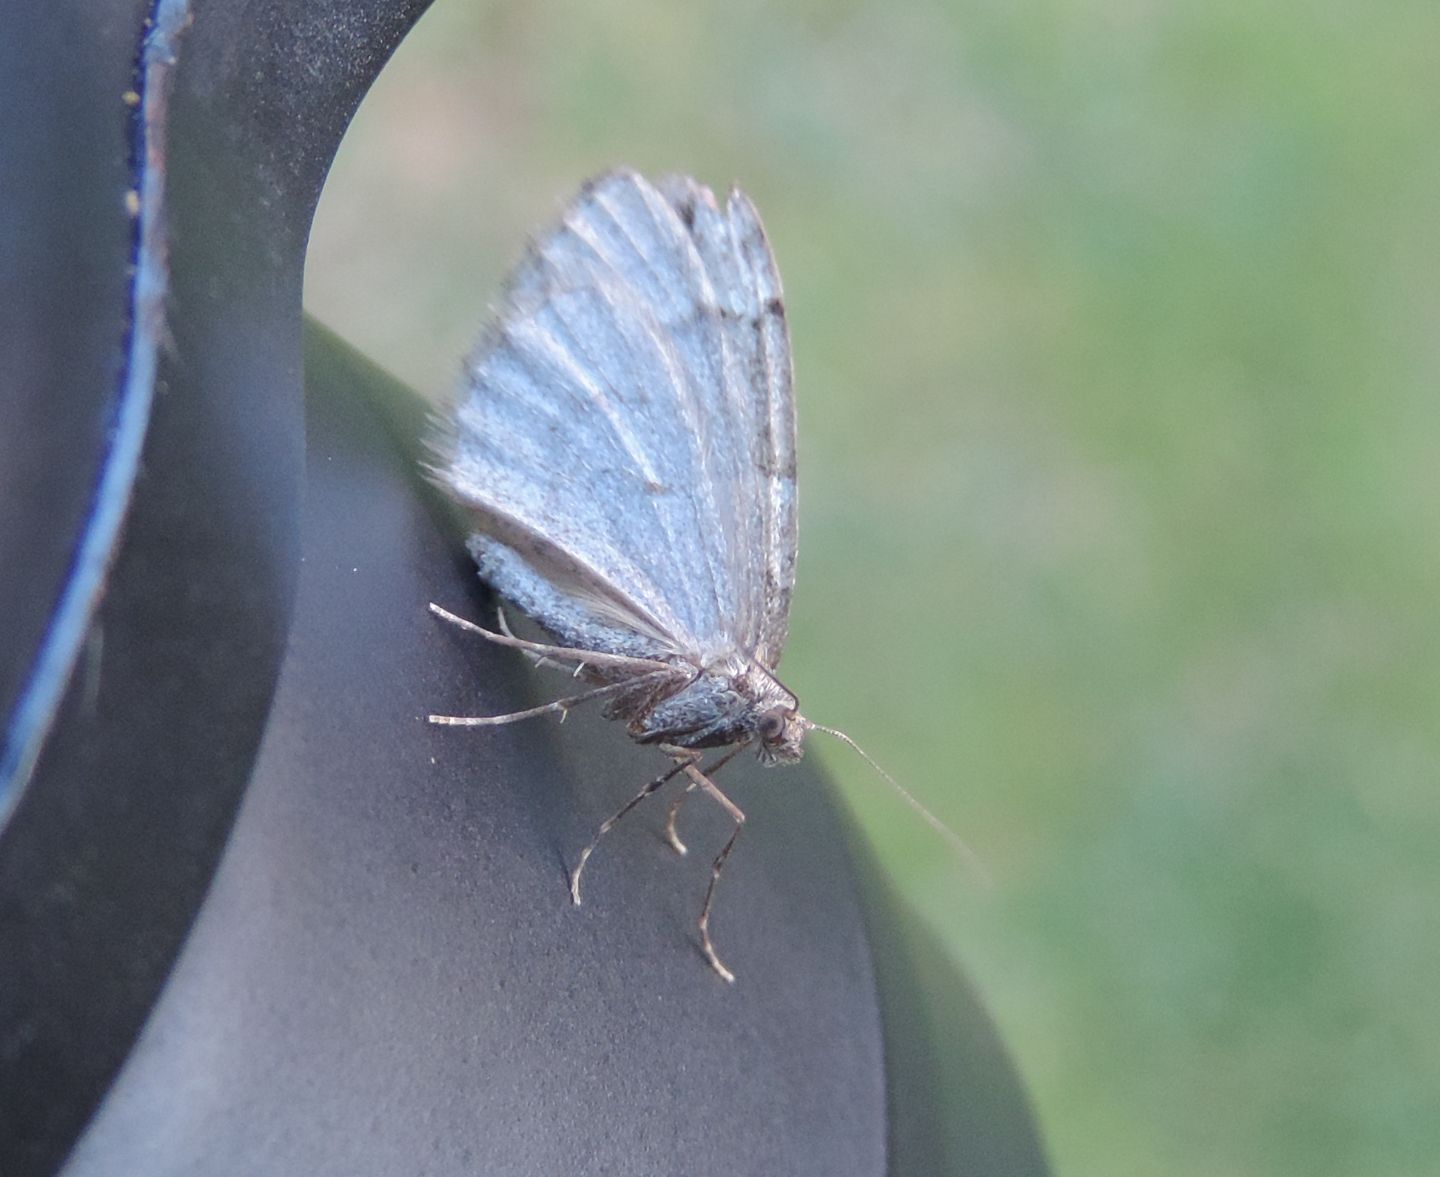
{"points": [[685, 761], [738, 816], [565, 653], [671, 835], [561, 705], [610, 822], [536, 660]]}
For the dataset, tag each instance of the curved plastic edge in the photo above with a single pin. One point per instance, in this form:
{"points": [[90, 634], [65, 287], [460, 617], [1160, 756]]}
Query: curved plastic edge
{"points": [[40, 701]]}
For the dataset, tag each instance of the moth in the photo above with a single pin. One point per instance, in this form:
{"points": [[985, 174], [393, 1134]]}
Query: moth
{"points": [[624, 450]]}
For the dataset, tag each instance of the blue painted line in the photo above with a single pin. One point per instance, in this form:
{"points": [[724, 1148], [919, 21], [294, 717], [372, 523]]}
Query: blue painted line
{"points": [[40, 701]]}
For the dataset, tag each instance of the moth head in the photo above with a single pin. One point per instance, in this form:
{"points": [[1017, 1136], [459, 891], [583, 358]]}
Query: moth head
{"points": [[781, 733]]}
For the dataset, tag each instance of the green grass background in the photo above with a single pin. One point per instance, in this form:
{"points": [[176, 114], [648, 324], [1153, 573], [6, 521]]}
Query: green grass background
{"points": [[1115, 328]]}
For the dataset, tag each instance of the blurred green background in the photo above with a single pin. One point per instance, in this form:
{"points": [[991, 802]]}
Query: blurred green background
{"points": [[1117, 361]]}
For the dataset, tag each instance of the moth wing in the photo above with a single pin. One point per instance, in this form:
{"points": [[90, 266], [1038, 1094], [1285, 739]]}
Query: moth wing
{"points": [[759, 394], [606, 437]]}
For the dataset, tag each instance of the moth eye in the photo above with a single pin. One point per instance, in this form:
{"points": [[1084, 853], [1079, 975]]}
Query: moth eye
{"points": [[771, 725]]}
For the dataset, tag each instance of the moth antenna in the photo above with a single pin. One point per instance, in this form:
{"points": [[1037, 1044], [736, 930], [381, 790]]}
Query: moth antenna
{"points": [[957, 844]]}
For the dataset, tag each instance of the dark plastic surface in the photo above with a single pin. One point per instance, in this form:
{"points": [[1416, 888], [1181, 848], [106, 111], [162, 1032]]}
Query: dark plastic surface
{"points": [[387, 975], [143, 731], [389, 965]]}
